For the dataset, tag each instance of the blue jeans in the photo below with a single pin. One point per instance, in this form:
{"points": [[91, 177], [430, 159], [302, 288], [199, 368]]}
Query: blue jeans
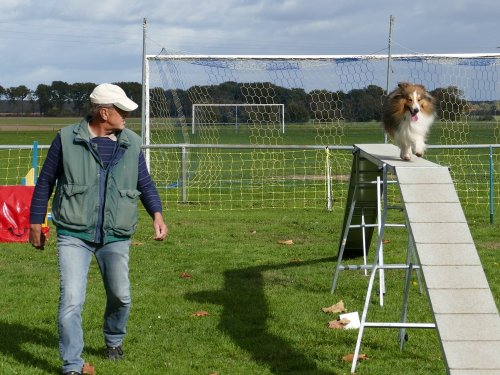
{"points": [[75, 256]]}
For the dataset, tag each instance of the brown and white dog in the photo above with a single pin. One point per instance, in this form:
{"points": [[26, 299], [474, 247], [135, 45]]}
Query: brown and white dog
{"points": [[407, 115]]}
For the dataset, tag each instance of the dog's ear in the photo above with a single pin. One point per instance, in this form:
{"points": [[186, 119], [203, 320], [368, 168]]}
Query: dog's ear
{"points": [[429, 97], [396, 94], [421, 87], [403, 85]]}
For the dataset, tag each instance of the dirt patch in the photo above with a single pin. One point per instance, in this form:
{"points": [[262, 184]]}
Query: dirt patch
{"points": [[491, 245]]}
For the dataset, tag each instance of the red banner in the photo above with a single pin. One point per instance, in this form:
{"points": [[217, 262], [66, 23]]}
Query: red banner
{"points": [[15, 204]]}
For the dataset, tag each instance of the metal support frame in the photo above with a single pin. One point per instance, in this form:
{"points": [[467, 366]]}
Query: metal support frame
{"points": [[378, 265], [380, 225]]}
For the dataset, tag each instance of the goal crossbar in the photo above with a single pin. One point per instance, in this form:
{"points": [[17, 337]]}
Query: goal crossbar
{"points": [[324, 57]]}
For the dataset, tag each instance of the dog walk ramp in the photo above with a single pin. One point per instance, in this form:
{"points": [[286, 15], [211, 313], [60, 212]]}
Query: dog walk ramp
{"points": [[465, 315]]}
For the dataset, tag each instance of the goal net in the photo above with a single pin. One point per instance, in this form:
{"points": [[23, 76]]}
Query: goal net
{"points": [[331, 102], [236, 115]]}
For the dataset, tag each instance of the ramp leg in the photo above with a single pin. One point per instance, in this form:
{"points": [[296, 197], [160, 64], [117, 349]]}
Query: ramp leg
{"points": [[342, 246], [382, 217], [365, 308], [373, 274], [404, 314], [363, 236], [418, 271]]}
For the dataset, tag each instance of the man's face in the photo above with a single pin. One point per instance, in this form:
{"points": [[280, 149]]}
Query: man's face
{"points": [[115, 117]]}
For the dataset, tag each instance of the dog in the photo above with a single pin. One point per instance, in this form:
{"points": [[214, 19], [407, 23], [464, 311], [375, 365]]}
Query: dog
{"points": [[407, 116]]}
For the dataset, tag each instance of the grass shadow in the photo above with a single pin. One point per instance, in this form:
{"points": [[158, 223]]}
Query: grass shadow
{"points": [[244, 318], [14, 336]]}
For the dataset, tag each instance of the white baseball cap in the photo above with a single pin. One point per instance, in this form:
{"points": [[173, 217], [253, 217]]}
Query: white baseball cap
{"points": [[107, 93]]}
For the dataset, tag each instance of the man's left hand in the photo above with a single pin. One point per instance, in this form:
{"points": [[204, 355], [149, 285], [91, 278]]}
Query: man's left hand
{"points": [[160, 228]]}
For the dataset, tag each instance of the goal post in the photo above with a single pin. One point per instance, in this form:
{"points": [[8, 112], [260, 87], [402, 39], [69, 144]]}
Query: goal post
{"points": [[199, 115]]}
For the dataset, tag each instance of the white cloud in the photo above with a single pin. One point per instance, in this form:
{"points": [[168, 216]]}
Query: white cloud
{"points": [[91, 40]]}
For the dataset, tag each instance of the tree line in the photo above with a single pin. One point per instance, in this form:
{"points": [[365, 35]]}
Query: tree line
{"points": [[358, 105], [58, 99]]}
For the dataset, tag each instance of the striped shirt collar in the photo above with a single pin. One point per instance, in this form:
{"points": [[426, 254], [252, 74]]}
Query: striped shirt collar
{"points": [[111, 136]]}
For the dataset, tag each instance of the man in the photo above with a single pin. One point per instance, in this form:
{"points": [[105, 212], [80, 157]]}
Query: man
{"points": [[99, 172]]}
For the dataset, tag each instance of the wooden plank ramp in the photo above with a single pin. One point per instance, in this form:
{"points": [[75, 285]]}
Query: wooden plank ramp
{"points": [[465, 314]]}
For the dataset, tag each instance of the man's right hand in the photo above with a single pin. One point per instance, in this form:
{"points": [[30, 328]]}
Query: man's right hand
{"points": [[37, 238]]}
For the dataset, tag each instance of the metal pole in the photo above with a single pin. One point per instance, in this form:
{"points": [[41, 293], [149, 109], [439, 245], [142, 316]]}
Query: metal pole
{"points": [[389, 55], [184, 174], [328, 181], [491, 186], [283, 118], [193, 116], [35, 161], [389, 58], [144, 26], [381, 190], [344, 240], [145, 99], [363, 235], [236, 118]]}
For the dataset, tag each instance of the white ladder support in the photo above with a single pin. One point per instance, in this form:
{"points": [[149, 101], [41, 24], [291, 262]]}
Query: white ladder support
{"points": [[364, 193]]}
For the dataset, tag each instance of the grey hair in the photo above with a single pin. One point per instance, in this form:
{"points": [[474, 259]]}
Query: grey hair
{"points": [[94, 109]]}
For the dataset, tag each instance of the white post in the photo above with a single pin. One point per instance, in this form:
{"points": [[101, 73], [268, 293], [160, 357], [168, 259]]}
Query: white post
{"points": [[236, 118], [283, 118], [143, 77], [328, 181], [184, 173], [145, 98], [380, 224], [389, 57], [193, 118]]}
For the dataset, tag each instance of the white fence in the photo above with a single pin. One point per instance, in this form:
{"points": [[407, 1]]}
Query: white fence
{"points": [[230, 177]]}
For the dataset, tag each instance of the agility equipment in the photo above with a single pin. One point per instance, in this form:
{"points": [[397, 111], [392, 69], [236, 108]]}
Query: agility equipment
{"points": [[15, 204], [440, 246]]}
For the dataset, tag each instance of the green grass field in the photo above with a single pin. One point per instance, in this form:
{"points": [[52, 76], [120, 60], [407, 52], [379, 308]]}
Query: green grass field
{"points": [[263, 299], [443, 133]]}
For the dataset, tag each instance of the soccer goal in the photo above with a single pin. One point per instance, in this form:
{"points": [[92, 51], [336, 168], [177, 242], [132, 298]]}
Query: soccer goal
{"points": [[331, 101], [236, 115], [323, 95]]}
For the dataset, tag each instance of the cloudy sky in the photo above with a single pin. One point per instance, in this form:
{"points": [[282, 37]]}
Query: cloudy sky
{"points": [[101, 41]]}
